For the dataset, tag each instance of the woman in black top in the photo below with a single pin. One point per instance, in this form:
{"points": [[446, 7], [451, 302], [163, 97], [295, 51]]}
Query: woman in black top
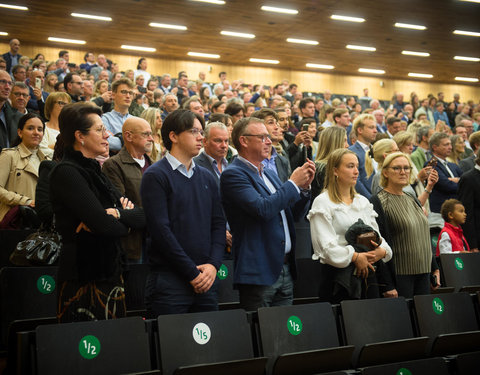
{"points": [[91, 216]]}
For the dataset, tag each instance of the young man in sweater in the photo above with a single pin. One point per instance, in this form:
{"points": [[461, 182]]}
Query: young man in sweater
{"points": [[185, 220]]}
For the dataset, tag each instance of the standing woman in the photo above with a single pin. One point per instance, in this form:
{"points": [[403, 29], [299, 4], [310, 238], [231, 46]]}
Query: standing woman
{"points": [[332, 214], [377, 154], [154, 117], [91, 217], [19, 165], [53, 105], [405, 226]]}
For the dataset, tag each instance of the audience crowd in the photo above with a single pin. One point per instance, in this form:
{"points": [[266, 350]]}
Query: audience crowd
{"points": [[221, 169]]}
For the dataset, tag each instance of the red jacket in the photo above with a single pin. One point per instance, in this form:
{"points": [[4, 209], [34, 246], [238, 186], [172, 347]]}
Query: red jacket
{"points": [[459, 243]]}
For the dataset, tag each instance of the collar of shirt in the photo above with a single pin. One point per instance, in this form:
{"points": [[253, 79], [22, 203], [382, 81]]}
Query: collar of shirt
{"points": [[176, 164], [118, 114], [212, 160], [477, 167], [251, 166], [443, 161], [364, 146]]}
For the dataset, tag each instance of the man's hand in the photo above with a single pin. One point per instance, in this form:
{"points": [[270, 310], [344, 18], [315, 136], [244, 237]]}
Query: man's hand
{"points": [[363, 263], [391, 294], [454, 179], [300, 137], [37, 93], [437, 274], [204, 281], [229, 239], [303, 176], [107, 96]]}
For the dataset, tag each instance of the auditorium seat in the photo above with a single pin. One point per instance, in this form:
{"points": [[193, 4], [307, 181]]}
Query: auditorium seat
{"points": [[467, 363], [436, 366], [135, 277], [307, 285], [449, 321], [381, 331], [301, 340], [116, 346], [461, 270], [203, 338], [303, 246], [26, 293], [227, 296]]}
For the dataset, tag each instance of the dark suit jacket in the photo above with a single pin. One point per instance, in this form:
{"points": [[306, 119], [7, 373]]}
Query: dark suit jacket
{"points": [[467, 163], [469, 195], [364, 184], [444, 189], [6, 56], [283, 168], [37, 105], [11, 116], [204, 162], [253, 213]]}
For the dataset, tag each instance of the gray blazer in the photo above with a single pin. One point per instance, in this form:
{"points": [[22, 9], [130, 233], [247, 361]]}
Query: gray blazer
{"points": [[467, 163]]}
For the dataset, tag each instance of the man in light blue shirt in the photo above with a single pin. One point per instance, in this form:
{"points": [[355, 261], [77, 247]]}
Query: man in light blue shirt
{"points": [[122, 95]]}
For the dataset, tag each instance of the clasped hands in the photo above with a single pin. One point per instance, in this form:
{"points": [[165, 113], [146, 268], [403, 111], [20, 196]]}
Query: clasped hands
{"points": [[364, 261], [126, 205], [205, 279]]}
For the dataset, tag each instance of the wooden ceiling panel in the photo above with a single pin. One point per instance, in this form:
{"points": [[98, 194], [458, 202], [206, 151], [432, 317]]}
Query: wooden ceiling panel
{"points": [[205, 21]]}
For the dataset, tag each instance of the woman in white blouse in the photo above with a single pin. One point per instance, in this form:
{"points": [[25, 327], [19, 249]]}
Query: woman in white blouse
{"points": [[53, 106], [332, 214]]}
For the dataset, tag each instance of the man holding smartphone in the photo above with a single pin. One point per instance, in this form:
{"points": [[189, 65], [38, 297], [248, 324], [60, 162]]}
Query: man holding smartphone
{"points": [[37, 95]]}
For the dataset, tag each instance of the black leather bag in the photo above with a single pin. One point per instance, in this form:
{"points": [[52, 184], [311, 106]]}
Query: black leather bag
{"points": [[41, 248]]}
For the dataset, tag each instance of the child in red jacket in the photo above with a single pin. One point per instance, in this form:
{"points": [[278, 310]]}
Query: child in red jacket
{"points": [[451, 239]]}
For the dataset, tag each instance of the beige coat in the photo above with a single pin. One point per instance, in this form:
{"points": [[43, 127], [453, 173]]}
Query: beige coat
{"points": [[18, 178]]}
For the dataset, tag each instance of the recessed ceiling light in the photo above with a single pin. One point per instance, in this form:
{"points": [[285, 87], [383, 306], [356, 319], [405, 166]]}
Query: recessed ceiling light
{"points": [[64, 40], [466, 79], [346, 18], [472, 1], [279, 10], [466, 58], [467, 33], [207, 55], [420, 75], [410, 26], [234, 33], [218, 2], [264, 61], [16, 7], [138, 48], [302, 41], [361, 48], [413, 53], [373, 71], [91, 16], [3, 33], [319, 66], [167, 26]]}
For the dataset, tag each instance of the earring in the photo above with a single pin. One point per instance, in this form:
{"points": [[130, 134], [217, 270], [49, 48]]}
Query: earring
{"points": [[83, 143]]}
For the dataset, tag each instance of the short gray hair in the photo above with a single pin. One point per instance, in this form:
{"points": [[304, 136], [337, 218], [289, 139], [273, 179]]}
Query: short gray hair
{"points": [[213, 125], [422, 132], [436, 138], [167, 95]]}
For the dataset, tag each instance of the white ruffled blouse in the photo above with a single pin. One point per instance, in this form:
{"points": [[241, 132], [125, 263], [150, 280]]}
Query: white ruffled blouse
{"points": [[330, 221]]}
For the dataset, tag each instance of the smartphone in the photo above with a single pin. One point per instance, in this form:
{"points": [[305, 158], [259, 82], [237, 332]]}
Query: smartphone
{"points": [[38, 83], [305, 128], [141, 89]]}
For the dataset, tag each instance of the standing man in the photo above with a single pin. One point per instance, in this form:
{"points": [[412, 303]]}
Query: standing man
{"points": [[73, 85], [19, 97], [12, 57], [364, 127], [260, 211], [185, 222], [420, 156], [126, 169], [8, 116], [122, 96], [37, 95], [169, 104]]}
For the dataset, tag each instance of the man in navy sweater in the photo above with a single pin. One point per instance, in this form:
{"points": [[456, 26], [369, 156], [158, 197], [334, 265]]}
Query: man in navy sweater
{"points": [[185, 223]]}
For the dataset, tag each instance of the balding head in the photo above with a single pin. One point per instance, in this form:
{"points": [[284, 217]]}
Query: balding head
{"points": [[137, 136], [14, 46]]}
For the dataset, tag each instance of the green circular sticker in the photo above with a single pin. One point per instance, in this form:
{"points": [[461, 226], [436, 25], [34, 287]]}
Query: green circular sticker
{"points": [[222, 272], [89, 347], [404, 371], [438, 307], [459, 264], [294, 325], [46, 284]]}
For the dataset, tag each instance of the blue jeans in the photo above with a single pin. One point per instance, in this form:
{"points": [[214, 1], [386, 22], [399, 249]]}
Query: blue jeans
{"points": [[279, 294], [168, 293]]}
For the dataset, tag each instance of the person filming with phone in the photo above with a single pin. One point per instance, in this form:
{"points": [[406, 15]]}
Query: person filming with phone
{"points": [[37, 95]]}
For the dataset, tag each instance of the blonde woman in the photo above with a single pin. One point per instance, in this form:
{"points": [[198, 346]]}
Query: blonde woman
{"points": [[53, 106], [458, 149], [101, 87], [405, 226], [50, 81], [374, 160], [154, 117], [332, 214]]}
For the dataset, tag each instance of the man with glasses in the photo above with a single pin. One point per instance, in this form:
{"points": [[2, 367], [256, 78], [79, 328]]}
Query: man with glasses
{"points": [[126, 169], [185, 223], [260, 210], [122, 96], [19, 97], [73, 85], [37, 95], [8, 116]]}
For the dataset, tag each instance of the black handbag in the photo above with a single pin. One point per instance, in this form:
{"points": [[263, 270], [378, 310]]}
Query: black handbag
{"points": [[41, 248]]}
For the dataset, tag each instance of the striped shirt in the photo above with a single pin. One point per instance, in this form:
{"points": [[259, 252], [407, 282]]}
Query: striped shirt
{"points": [[410, 233]]}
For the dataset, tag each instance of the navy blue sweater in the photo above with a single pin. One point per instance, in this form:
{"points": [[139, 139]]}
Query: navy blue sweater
{"points": [[184, 219]]}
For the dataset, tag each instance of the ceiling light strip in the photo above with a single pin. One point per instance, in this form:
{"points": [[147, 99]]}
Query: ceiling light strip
{"points": [[167, 26], [302, 41], [466, 79], [91, 17], [201, 54], [466, 58], [138, 48], [15, 7], [279, 10], [264, 61], [373, 71], [410, 26], [467, 33], [413, 53], [66, 40], [361, 48], [236, 34], [319, 66], [420, 75], [338, 17]]}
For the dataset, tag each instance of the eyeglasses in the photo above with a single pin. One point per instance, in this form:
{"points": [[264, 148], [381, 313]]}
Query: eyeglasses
{"points": [[60, 103], [262, 137], [4, 82], [79, 82], [397, 169], [144, 134], [18, 94], [127, 92], [196, 132], [102, 130]]}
